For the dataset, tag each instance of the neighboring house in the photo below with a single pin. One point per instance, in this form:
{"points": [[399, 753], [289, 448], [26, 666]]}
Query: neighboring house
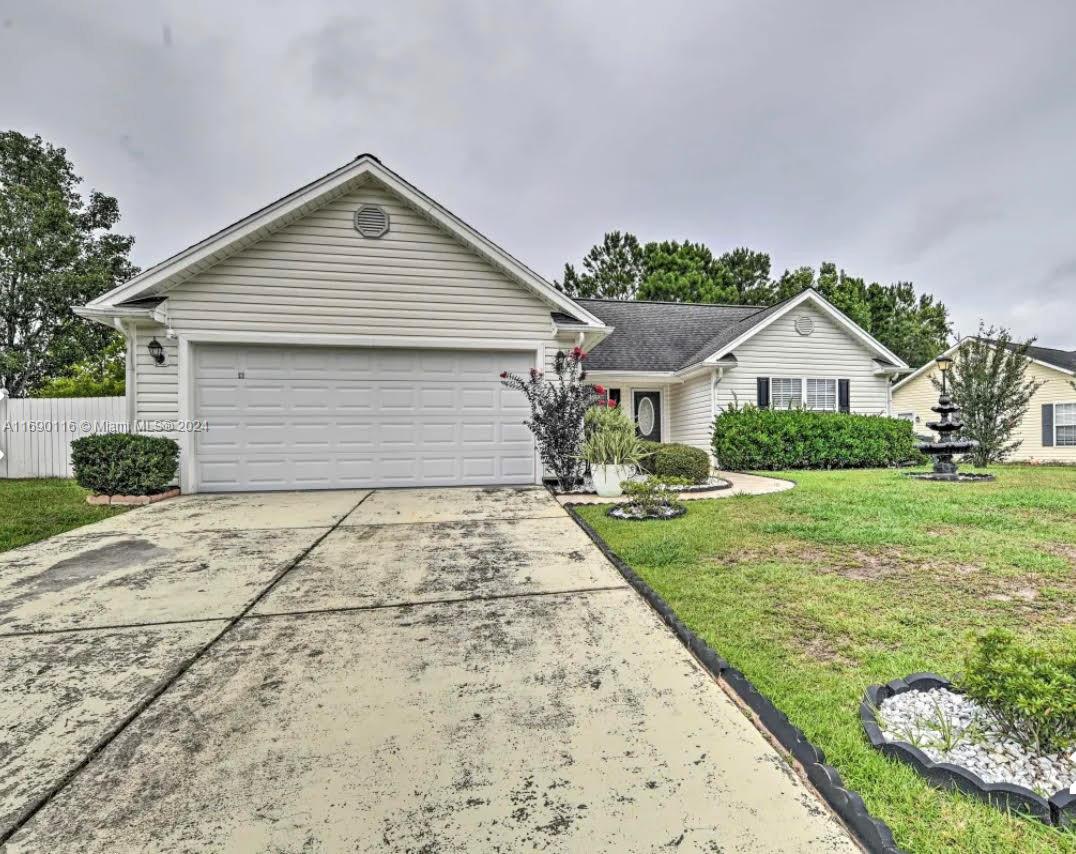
{"points": [[351, 334], [1048, 430]]}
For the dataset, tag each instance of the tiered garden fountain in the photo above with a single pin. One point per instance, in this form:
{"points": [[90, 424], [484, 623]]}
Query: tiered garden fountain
{"points": [[949, 443]]}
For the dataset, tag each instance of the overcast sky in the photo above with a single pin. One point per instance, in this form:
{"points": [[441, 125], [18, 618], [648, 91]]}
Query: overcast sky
{"points": [[924, 141]]}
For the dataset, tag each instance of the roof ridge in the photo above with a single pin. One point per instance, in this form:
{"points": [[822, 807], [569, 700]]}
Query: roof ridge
{"points": [[672, 302]]}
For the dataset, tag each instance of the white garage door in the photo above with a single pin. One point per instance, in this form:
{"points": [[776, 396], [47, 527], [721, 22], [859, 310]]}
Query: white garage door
{"points": [[329, 418]]}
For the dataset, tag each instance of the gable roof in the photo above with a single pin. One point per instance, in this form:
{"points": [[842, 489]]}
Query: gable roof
{"points": [[1060, 360], [665, 336], [156, 280]]}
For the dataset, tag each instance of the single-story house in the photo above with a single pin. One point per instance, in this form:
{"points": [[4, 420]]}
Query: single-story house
{"points": [[352, 334], [1047, 432]]}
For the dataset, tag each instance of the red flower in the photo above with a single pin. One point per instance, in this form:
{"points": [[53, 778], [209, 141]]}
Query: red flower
{"points": [[578, 353], [504, 375], [612, 403], [600, 389]]}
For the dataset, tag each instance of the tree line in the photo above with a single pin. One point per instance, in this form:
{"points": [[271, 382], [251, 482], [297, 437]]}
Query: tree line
{"points": [[914, 326]]}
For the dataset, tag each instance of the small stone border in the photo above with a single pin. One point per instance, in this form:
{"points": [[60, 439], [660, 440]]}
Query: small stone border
{"points": [[132, 500], [617, 512], [1059, 810], [872, 833], [719, 484]]}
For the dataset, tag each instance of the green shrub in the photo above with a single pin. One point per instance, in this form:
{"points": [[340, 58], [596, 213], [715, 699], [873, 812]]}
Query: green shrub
{"points": [[1030, 691], [770, 439], [649, 449], [673, 460], [654, 493], [124, 463], [611, 439]]}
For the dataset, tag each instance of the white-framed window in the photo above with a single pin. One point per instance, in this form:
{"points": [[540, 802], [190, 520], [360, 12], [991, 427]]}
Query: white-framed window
{"points": [[789, 393], [786, 392], [822, 395], [1065, 425]]}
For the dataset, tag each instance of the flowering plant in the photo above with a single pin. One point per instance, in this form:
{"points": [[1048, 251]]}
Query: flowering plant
{"points": [[557, 410]]}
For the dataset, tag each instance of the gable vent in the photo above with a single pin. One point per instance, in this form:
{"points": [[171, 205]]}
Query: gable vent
{"points": [[371, 221], [804, 325]]}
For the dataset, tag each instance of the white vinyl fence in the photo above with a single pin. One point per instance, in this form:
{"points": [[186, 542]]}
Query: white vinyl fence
{"points": [[36, 433]]}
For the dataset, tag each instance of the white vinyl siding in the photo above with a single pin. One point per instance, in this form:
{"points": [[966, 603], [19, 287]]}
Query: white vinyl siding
{"points": [[691, 416], [830, 352], [918, 395], [155, 386], [320, 276], [1065, 425]]}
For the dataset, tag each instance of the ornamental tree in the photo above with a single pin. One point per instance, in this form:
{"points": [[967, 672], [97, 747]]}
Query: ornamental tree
{"points": [[558, 406]]}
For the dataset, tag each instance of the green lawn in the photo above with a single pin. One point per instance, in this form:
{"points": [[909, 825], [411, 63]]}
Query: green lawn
{"points": [[862, 576], [34, 509]]}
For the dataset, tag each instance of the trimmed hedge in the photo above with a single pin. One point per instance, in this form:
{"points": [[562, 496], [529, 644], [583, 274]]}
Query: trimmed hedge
{"points": [[124, 463], [768, 440], [671, 459]]}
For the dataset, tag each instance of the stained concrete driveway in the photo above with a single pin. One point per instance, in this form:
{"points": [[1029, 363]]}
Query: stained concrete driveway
{"points": [[404, 670]]}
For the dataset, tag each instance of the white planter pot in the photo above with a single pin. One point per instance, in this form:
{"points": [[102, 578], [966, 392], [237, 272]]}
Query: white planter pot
{"points": [[609, 480]]}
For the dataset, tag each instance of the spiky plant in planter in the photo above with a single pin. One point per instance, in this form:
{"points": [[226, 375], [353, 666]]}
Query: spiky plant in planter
{"points": [[558, 406]]}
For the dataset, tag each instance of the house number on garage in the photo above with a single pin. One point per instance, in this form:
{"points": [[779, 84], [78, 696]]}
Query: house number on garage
{"points": [[242, 375]]}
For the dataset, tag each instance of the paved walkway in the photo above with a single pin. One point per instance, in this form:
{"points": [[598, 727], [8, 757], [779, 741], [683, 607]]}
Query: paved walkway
{"points": [[399, 670], [742, 484]]}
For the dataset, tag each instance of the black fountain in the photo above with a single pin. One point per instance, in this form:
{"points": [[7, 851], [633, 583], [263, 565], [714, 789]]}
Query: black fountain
{"points": [[949, 443]]}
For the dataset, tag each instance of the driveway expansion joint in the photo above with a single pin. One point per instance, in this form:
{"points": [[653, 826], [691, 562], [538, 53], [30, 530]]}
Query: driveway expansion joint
{"points": [[418, 603], [177, 673]]}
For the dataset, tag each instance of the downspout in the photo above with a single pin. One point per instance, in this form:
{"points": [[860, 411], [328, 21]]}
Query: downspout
{"points": [[130, 384]]}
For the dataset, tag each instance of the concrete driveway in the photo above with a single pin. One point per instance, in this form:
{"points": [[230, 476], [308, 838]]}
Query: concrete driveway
{"points": [[400, 670]]}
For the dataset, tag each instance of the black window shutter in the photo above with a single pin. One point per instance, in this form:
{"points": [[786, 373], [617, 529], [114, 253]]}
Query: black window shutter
{"points": [[763, 397], [1047, 425], [844, 401]]}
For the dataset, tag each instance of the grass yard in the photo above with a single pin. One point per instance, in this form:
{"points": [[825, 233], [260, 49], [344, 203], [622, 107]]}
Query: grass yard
{"points": [[31, 510], [862, 576]]}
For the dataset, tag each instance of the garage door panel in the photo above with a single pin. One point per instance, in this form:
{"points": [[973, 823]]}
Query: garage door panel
{"points": [[332, 418]]}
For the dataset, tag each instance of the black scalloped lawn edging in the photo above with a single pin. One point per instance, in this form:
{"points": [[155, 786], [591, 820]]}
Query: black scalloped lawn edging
{"points": [[873, 833], [611, 513], [1059, 810]]}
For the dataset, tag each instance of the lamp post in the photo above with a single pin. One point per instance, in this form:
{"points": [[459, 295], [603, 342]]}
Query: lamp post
{"points": [[944, 363]]}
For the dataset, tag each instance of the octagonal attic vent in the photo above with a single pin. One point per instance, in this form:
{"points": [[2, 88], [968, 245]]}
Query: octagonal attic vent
{"points": [[371, 221], [804, 325]]}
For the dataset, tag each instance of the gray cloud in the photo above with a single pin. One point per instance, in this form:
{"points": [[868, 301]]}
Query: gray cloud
{"points": [[920, 141]]}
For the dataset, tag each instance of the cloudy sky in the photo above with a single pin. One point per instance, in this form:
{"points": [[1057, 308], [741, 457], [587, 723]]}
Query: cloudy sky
{"points": [[923, 141]]}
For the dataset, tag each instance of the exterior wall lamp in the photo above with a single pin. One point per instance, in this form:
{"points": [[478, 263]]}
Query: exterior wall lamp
{"points": [[156, 351]]}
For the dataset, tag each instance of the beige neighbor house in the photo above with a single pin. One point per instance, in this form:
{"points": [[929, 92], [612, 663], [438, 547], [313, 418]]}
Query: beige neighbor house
{"points": [[1048, 430], [352, 334]]}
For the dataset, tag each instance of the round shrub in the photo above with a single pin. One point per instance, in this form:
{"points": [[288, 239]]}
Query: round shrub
{"points": [[124, 463], [673, 460]]}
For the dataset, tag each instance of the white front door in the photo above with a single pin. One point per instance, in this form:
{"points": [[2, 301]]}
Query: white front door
{"points": [[331, 418]]}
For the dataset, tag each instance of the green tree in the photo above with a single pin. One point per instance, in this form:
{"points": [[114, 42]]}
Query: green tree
{"points": [[916, 328], [611, 270], [101, 375], [56, 251], [743, 277], [988, 383], [679, 272]]}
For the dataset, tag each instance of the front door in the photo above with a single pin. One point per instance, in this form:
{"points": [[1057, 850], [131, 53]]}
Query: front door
{"points": [[647, 405]]}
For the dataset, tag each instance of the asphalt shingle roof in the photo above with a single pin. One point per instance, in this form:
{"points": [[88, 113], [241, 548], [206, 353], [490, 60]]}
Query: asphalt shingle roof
{"points": [[665, 336], [1065, 359]]}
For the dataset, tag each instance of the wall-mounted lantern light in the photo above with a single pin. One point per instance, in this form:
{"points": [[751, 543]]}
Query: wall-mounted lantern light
{"points": [[156, 351]]}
